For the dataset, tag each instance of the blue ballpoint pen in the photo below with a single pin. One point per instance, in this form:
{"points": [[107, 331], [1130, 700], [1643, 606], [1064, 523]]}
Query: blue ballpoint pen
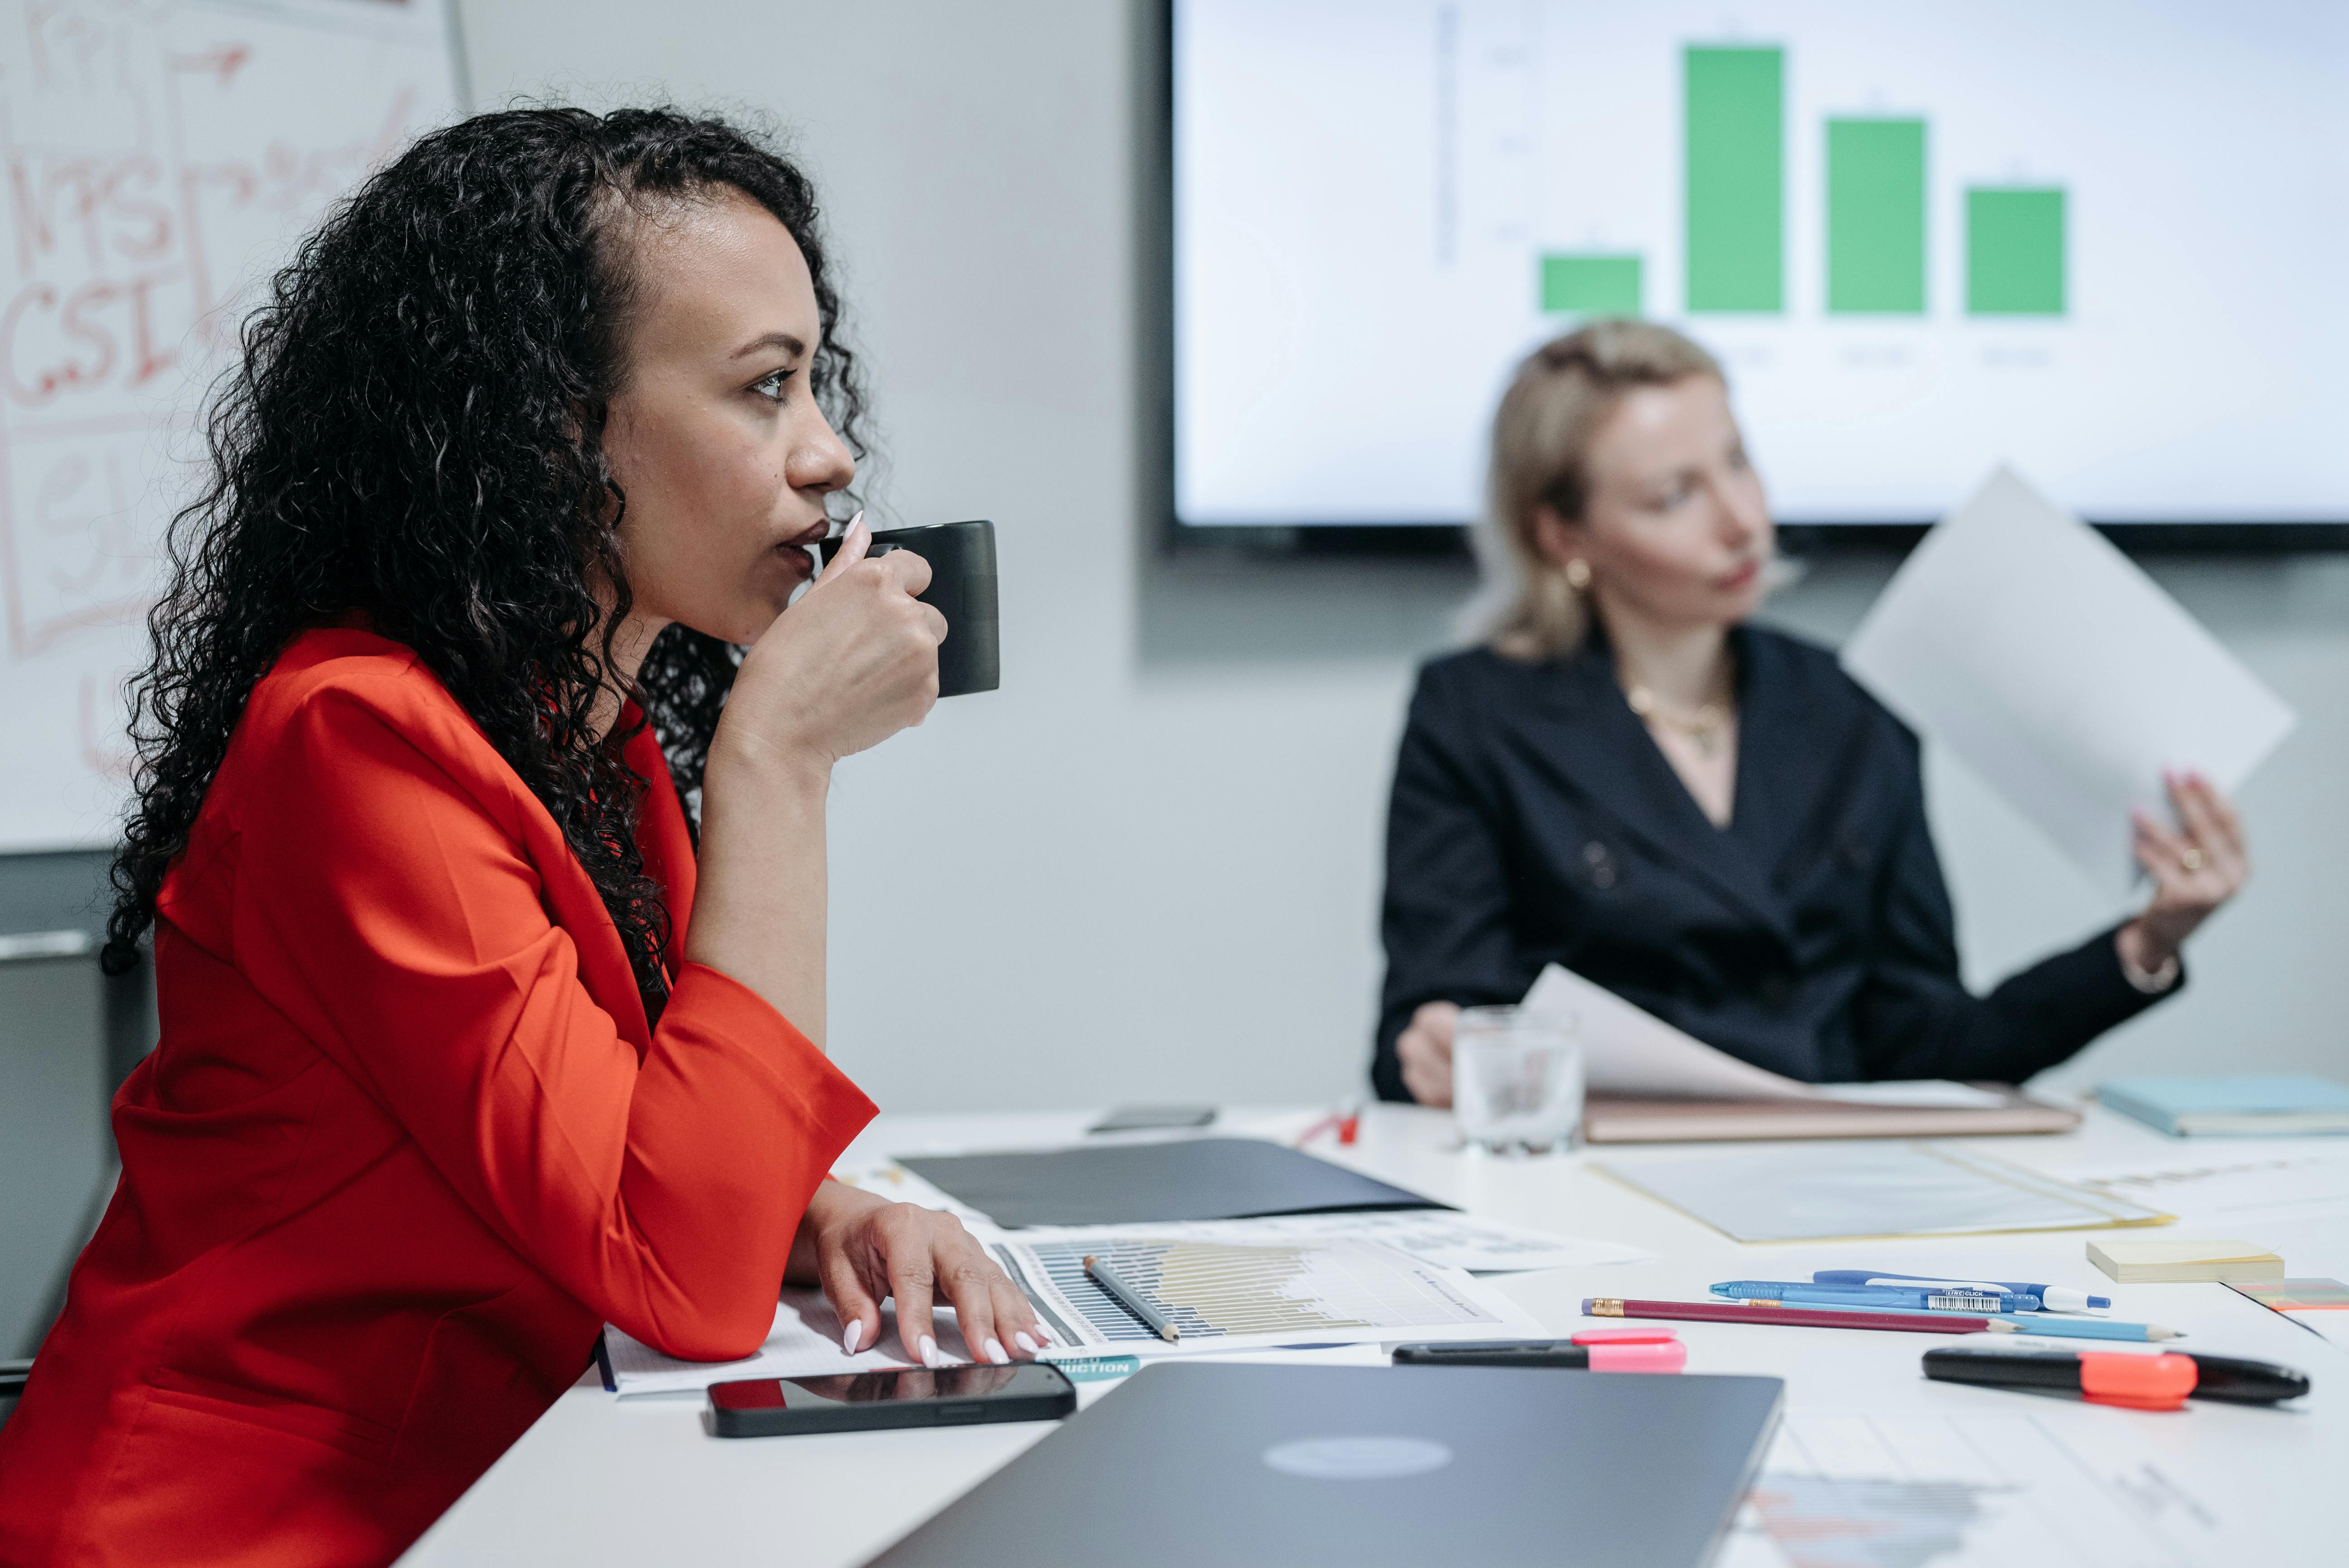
{"points": [[2050, 1325], [1912, 1298], [2052, 1297]]}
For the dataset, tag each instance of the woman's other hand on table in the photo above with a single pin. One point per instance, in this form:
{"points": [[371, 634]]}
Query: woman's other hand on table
{"points": [[2195, 868], [863, 1249], [1424, 1049]]}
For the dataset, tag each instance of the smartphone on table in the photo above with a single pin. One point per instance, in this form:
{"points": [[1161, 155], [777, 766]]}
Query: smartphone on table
{"points": [[915, 1397]]}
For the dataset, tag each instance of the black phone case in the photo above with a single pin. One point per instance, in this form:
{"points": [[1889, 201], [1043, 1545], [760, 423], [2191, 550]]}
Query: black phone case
{"points": [[881, 1414]]}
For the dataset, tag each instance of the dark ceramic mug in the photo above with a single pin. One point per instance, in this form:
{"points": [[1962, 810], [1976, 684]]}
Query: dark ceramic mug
{"points": [[962, 589]]}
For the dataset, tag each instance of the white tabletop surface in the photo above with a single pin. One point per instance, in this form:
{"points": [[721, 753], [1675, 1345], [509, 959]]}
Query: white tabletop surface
{"points": [[599, 1480]]}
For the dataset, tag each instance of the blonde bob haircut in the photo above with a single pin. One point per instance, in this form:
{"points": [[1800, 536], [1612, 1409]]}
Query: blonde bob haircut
{"points": [[1562, 394]]}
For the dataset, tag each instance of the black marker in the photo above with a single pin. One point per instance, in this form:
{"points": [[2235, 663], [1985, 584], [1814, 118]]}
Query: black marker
{"points": [[2116, 1377]]}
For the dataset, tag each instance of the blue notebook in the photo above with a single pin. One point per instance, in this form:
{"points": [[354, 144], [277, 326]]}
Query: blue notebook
{"points": [[2293, 1105]]}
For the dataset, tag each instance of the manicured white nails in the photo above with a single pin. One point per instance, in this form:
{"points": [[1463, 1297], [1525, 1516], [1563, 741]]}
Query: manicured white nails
{"points": [[1027, 1344], [930, 1357], [995, 1353], [855, 1332]]}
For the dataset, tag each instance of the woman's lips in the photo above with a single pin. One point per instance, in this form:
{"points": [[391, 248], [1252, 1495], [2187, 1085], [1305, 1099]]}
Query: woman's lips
{"points": [[796, 561], [1743, 577]]}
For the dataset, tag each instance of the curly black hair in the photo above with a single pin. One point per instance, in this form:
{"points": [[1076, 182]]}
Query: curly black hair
{"points": [[415, 432]]}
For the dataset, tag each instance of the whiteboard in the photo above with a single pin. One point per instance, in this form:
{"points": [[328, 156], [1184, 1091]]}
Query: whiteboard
{"points": [[160, 159]]}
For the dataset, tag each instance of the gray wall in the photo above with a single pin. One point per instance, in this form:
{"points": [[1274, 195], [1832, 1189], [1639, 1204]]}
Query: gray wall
{"points": [[1149, 866]]}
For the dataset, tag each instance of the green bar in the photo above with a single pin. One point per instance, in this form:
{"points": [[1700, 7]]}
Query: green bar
{"points": [[1875, 216], [1591, 285], [1735, 178], [2015, 250]]}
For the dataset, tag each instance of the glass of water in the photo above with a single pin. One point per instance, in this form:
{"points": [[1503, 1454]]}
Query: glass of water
{"points": [[1516, 1080]]}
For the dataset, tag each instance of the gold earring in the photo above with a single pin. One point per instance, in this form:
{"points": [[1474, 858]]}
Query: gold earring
{"points": [[1577, 574]]}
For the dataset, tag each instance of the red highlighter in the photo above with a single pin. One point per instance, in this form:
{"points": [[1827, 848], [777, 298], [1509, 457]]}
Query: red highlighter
{"points": [[1592, 1350]]}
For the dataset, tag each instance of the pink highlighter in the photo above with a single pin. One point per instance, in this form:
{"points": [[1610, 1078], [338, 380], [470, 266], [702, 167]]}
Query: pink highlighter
{"points": [[1633, 1349], [1593, 1349]]}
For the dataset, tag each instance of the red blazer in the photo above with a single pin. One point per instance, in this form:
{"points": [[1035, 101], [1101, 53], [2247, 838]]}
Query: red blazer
{"points": [[406, 1144]]}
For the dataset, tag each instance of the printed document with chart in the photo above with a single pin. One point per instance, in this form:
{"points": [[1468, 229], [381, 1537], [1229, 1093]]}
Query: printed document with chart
{"points": [[1219, 1297]]}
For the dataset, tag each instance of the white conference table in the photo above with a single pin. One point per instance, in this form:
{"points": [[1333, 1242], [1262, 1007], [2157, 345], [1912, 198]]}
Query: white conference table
{"points": [[600, 1480]]}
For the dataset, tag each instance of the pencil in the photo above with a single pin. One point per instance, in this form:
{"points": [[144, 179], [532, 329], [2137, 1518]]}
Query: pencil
{"points": [[1126, 1296], [1786, 1317]]}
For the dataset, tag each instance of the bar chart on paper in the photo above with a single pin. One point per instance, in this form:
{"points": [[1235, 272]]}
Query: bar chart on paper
{"points": [[1856, 1490], [1921, 239], [1333, 1292]]}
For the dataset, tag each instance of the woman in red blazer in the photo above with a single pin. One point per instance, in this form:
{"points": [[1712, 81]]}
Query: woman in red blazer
{"points": [[467, 1048]]}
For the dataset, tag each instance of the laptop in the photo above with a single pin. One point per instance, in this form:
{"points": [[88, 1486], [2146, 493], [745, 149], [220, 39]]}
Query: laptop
{"points": [[1204, 1465]]}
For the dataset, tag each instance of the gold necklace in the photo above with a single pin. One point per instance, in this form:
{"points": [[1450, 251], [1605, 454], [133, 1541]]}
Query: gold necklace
{"points": [[1704, 726]]}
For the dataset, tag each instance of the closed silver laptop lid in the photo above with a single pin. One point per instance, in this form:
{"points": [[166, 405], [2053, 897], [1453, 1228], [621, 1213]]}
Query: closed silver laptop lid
{"points": [[1364, 1467]]}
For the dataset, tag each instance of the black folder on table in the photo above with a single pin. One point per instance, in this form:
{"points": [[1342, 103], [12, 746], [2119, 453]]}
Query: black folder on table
{"points": [[1208, 1466], [1131, 1183]]}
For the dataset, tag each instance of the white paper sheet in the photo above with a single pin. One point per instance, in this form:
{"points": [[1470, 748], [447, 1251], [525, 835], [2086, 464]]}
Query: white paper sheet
{"points": [[1432, 1235], [1851, 1190], [2023, 640], [805, 1343], [1628, 1051], [2219, 1186]]}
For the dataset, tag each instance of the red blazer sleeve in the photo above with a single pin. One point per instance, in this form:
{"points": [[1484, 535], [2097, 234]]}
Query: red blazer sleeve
{"points": [[391, 903]]}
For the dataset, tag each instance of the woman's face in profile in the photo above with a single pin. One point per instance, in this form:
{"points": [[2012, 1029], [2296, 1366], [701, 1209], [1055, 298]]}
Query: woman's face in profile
{"points": [[714, 435], [1675, 526]]}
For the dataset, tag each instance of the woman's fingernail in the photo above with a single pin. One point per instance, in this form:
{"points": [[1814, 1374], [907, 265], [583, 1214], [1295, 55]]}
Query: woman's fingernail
{"points": [[1027, 1344], [855, 1332], [995, 1353], [930, 1357]]}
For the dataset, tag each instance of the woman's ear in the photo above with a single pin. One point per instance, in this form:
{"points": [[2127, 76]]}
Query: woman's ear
{"points": [[1555, 540]]}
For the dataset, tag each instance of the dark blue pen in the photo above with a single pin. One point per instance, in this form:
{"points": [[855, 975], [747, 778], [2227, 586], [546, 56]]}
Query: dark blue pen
{"points": [[2052, 1297]]}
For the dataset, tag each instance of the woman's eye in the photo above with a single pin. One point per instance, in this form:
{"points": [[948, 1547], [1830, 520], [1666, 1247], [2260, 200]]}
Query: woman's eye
{"points": [[771, 386]]}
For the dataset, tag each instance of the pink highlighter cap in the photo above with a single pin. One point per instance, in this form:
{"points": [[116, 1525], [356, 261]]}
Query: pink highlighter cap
{"points": [[1627, 1337], [1668, 1356]]}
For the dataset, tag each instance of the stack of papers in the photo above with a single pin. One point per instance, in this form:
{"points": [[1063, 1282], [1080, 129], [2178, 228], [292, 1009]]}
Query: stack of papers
{"points": [[1402, 1274]]}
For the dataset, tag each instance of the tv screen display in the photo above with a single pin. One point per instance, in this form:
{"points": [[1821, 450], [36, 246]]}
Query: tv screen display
{"points": [[2103, 241]]}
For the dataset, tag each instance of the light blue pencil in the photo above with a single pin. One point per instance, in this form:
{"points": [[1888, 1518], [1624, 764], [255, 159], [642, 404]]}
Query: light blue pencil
{"points": [[2066, 1326], [2053, 1326]]}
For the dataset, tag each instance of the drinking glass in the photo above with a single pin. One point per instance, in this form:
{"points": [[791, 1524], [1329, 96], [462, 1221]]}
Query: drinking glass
{"points": [[1516, 1080]]}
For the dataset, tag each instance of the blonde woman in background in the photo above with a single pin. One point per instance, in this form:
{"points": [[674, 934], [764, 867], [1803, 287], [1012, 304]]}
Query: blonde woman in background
{"points": [[1707, 818]]}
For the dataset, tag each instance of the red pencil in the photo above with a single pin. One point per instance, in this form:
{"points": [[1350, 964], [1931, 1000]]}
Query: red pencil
{"points": [[1789, 1316]]}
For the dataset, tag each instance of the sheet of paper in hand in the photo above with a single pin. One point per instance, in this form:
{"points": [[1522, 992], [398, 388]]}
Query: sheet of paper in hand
{"points": [[2020, 638]]}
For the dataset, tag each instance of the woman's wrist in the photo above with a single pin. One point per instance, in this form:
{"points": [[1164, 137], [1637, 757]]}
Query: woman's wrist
{"points": [[2148, 962], [767, 763]]}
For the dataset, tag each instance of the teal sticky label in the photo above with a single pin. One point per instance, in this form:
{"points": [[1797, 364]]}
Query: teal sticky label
{"points": [[1099, 1369]]}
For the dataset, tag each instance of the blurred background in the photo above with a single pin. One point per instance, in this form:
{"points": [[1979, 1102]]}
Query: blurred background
{"points": [[1148, 867]]}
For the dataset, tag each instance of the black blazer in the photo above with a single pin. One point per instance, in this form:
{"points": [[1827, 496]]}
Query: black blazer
{"points": [[1534, 820]]}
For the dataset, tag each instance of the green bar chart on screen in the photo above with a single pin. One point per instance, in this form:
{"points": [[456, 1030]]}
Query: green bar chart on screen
{"points": [[1590, 284], [1875, 216], [2015, 250], [1735, 123]]}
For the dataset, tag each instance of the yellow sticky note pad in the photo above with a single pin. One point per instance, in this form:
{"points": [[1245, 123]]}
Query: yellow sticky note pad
{"points": [[2165, 1260]]}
